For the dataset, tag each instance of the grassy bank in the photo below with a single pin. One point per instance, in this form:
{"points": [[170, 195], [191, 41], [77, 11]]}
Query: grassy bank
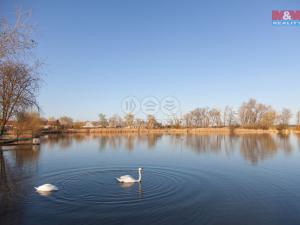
{"points": [[224, 130]]}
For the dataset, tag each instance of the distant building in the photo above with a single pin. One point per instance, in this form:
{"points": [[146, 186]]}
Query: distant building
{"points": [[89, 125], [51, 124]]}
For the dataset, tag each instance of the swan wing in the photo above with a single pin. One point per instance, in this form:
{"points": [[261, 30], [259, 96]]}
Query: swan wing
{"points": [[126, 179], [46, 187]]}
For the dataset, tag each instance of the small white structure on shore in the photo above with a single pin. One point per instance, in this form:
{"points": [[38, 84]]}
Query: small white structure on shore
{"points": [[88, 125], [36, 141]]}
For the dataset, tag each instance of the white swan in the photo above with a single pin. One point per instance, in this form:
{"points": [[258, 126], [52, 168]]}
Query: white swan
{"points": [[130, 179], [46, 188]]}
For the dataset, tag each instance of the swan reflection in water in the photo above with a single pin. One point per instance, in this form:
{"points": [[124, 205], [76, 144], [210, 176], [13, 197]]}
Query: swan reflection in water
{"points": [[44, 193], [129, 186]]}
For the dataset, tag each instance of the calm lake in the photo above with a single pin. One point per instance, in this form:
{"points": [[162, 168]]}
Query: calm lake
{"points": [[209, 179]]}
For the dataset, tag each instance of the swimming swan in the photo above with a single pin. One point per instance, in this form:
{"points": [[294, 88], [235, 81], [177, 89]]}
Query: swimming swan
{"points": [[46, 188], [130, 179]]}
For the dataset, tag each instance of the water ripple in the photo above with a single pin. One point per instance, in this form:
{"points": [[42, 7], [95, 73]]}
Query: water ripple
{"points": [[163, 190]]}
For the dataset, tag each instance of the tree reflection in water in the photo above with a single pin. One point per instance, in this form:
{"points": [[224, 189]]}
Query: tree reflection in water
{"points": [[284, 143], [298, 138], [257, 147], [253, 147], [16, 164], [208, 143], [127, 142]]}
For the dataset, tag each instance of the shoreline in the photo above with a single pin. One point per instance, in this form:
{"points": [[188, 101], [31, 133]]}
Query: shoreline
{"points": [[157, 131], [225, 130]]}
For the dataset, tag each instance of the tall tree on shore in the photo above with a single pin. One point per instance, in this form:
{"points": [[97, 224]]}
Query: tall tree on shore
{"points": [[28, 121], [188, 120], [214, 117], [66, 122], [129, 120], [255, 115], [151, 122], [174, 122], [247, 113], [284, 118], [140, 123], [102, 120], [115, 121], [268, 120], [229, 117], [19, 86], [19, 80], [200, 117]]}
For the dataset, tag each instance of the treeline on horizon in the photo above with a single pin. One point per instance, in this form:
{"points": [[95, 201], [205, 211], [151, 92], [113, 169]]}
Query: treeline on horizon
{"points": [[250, 115]]}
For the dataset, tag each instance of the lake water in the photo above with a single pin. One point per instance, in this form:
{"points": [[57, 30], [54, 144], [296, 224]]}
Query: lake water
{"points": [[228, 180]]}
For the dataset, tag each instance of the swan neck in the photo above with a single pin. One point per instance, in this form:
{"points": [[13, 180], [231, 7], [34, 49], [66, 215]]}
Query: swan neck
{"points": [[140, 176]]}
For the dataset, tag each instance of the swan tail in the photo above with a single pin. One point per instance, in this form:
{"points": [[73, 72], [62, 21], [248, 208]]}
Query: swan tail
{"points": [[118, 179]]}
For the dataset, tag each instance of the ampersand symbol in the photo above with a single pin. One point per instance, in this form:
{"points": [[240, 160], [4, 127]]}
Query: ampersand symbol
{"points": [[286, 15]]}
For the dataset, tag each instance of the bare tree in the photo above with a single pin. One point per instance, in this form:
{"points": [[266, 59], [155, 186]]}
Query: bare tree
{"points": [[66, 122], [214, 117], [247, 114], [188, 120], [19, 81], [174, 122], [16, 39], [78, 124], [229, 117], [204, 117], [19, 85], [140, 123], [200, 117], [102, 120], [115, 121], [252, 114], [177, 122], [129, 120], [151, 122], [284, 118], [268, 120], [28, 121]]}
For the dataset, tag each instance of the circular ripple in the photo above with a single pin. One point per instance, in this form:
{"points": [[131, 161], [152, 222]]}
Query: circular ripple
{"points": [[162, 190]]}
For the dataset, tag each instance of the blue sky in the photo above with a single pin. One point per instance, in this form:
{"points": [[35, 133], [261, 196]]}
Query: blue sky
{"points": [[205, 53]]}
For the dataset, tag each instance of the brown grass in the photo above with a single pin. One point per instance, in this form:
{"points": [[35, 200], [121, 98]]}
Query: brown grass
{"points": [[224, 130]]}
